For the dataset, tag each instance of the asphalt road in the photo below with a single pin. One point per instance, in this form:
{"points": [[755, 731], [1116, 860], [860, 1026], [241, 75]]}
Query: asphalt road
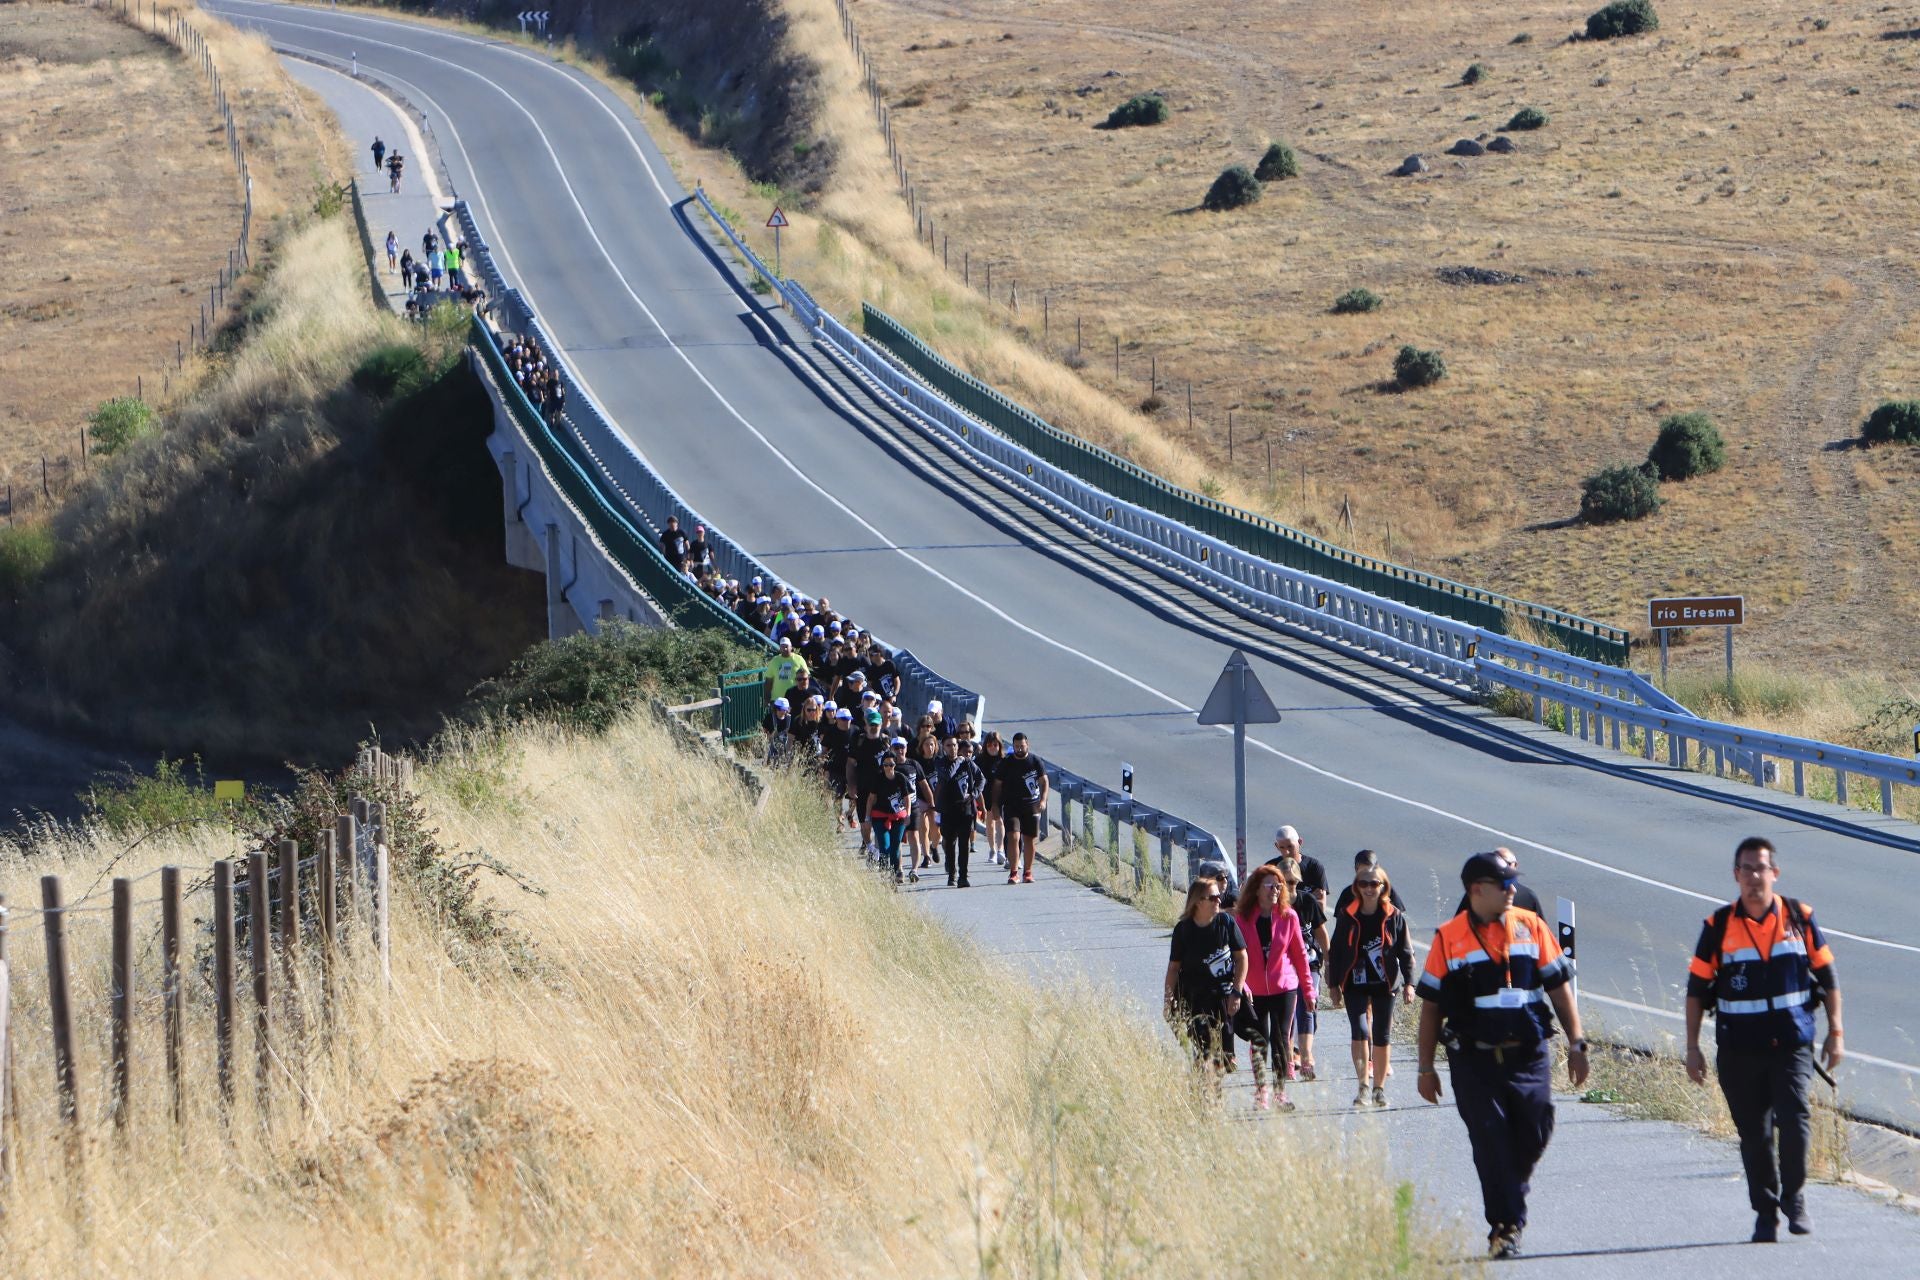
{"points": [[1100, 668]]}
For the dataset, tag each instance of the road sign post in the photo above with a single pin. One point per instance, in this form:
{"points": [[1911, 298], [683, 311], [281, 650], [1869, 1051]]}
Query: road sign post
{"points": [[1565, 929], [777, 221], [1126, 778], [1665, 614], [1239, 699]]}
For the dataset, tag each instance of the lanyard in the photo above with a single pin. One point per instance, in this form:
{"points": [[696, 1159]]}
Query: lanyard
{"points": [[1507, 959]]}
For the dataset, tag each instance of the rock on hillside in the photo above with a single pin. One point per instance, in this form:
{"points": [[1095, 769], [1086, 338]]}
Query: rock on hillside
{"points": [[727, 71]]}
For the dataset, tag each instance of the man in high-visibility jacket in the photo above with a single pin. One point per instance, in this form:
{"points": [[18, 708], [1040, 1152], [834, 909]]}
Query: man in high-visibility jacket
{"points": [[1491, 974], [1763, 964]]}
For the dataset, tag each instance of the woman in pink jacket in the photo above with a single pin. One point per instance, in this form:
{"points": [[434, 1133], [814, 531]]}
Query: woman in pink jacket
{"points": [[1277, 975]]}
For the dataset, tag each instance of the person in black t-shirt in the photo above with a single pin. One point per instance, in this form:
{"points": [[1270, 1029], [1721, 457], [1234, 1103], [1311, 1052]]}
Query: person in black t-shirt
{"points": [[1313, 930], [863, 772], [1288, 844], [674, 544], [992, 752], [888, 803], [1363, 861], [1206, 973], [836, 741], [1020, 793], [959, 797]]}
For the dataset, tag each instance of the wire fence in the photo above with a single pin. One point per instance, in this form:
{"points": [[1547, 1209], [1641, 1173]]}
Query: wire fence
{"points": [[292, 920], [58, 472]]}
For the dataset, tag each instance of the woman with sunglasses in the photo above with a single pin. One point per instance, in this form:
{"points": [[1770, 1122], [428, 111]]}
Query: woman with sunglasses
{"points": [[888, 806], [1277, 976], [1371, 955], [1206, 974]]}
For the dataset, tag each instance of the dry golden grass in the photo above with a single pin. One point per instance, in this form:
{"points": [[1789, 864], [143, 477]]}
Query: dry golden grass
{"points": [[1697, 233], [742, 1056], [104, 120]]}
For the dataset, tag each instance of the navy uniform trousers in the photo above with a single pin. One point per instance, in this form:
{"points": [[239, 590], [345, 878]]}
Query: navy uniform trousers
{"points": [[1506, 1100]]}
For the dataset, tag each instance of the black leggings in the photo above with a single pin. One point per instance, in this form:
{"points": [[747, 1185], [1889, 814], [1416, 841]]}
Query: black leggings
{"points": [[1212, 1032], [1273, 1018], [956, 835], [1374, 1000]]}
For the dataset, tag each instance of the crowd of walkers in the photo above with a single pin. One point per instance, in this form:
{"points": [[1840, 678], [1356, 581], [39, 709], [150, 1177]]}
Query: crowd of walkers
{"points": [[537, 377], [439, 274]]}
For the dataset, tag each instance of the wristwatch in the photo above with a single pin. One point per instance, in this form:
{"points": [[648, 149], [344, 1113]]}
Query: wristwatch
{"points": [[1577, 1046]]}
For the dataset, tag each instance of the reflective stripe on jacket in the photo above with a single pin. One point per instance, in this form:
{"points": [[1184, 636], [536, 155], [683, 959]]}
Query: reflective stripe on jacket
{"points": [[1472, 965], [1762, 976]]}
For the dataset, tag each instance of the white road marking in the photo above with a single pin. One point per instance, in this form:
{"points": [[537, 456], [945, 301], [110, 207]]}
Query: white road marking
{"points": [[799, 473]]}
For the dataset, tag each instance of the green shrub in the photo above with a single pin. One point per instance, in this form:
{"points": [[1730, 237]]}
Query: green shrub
{"points": [[1689, 445], [25, 552], [1413, 367], [1144, 109], [1354, 301], [328, 200], [1279, 162], [391, 370], [1235, 188], [1622, 18], [1528, 118], [588, 681], [1893, 420], [134, 804], [118, 422], [1474, 74], [1619, 493]]}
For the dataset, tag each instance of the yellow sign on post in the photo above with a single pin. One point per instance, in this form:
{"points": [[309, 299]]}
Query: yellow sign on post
{"points": [[233, 789]]}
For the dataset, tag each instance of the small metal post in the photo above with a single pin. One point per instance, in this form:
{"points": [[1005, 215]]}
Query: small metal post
{"points": [[1663, 658], [1729, 631]]}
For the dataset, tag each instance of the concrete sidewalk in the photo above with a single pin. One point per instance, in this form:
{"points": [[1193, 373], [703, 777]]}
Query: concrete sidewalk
{"points": [[1612, 1194], [364, 112]]}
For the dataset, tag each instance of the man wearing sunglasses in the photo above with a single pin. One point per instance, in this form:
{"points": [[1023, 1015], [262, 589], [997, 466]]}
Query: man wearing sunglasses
{"points": [[1492, 975]]}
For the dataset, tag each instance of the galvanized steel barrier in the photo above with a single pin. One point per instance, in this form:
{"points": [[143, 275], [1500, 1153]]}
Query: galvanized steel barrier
{"points": [[1594, 699], [1255, 534]]}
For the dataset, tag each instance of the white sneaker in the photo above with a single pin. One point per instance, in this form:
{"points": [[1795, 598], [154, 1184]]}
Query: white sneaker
{"points": [[1363, 1096]]}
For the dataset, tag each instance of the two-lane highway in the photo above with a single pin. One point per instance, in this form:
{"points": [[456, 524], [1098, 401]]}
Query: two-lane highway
{"points": [[581, 208]]}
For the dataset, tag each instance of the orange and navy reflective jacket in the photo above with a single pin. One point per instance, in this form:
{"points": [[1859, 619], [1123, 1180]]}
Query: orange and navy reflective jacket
{"points": [[1762, 975], [1470, 964]]}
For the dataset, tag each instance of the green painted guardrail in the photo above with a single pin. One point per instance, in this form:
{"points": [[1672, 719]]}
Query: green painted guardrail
{"points": [[1254, 534], [682, 601]]}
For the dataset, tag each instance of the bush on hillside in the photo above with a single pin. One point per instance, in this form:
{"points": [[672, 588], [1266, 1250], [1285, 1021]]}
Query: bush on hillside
{"points": [[1893, 420], [1413, 367], [1689, 445], [1235, 188], [1622, 18], [1619, 493], [588, 681], [1278, 162], [1143, 109], [135, 804], [1474, 74], [1354, 301], [1528, 118], [117, 423], [25, 552], [390, 371]]}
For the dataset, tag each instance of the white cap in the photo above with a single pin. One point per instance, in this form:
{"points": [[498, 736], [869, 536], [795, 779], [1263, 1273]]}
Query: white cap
{"points": [[933, 707], [816, 701], [898, 742], [843, 714], [781, 703], [869, 694], [1286, 833]]}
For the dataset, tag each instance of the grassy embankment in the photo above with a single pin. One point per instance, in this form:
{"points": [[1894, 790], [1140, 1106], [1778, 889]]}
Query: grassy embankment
{"points": [[736, 1054], [308, 543]]}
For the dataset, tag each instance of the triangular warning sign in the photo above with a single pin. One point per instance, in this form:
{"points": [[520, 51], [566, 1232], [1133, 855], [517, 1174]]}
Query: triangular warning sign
{"points": [[779, 218], [1237, 680]]}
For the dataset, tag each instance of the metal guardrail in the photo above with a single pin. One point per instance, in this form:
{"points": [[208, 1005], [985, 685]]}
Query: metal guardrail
{"points": [[1256, 534], [1595, 698]]}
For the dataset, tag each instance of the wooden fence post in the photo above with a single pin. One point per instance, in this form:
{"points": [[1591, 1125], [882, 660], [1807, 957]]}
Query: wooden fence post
{"points": [[122, 996], [6, 1065], [170, 982], [223, 982], [380, 900], [346, 838], [260, 944], [327, 908], [55, 918]]}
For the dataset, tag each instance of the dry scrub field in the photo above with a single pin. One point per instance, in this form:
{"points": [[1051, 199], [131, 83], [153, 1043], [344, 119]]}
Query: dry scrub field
{"points": [[1718, 217], [120, 206]]}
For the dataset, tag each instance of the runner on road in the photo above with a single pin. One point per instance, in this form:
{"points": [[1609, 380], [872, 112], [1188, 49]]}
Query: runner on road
{"points": [[396, 164], [393, 251], [379, 152], [992, 752], [1020, 793]]}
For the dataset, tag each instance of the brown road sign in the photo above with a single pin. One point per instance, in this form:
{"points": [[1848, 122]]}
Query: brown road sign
{"points": [[1697, 611]]}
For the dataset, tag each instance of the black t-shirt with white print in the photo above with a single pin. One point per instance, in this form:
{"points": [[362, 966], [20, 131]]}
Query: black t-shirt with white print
{"points": [[1022, 779], [1205, 956]]}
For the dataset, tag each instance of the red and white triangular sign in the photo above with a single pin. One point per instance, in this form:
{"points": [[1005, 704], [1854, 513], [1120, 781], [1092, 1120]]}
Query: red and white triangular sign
{"points": [[778, 219]]}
